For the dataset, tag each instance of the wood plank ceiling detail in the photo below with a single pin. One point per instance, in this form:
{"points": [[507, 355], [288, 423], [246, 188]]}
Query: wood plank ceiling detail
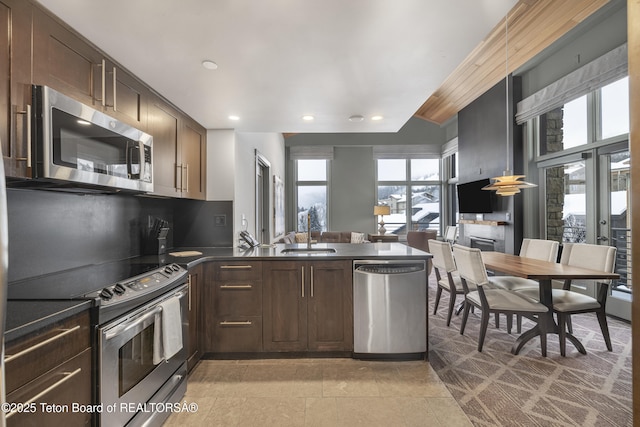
{"points": [[533, 26]]}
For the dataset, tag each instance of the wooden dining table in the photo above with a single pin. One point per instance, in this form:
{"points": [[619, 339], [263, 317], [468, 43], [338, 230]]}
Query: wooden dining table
{"points": [[543, 272]]}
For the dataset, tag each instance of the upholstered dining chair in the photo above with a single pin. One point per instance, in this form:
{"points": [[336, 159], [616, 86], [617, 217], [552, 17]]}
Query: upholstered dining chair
{"points": [[567, 302], [450, 234], [420, 240], [447, 277], [492, 300]]}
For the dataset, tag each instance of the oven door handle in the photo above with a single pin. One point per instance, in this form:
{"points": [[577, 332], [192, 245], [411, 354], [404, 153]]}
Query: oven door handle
{"points": [[128, 325]]}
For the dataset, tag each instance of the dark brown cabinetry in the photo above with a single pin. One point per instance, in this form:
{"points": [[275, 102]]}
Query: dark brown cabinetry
{"points": [[179, 153], [15, 81], [308, 306], [234, 307], [196, 277], [51, 366]]}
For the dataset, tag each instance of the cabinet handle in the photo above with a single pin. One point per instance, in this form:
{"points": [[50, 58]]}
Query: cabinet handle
{"points": [[189, 290], [236, 267], [104, 83], [236, 323], [247, 286], [64, 332], [311, 281], [67, 377], [186, 174], [115, 81], [178, 177], [302, 282]]}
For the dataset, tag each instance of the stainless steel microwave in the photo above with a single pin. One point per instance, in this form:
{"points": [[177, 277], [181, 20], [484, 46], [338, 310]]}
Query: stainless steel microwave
{"points": [[74, 143]]}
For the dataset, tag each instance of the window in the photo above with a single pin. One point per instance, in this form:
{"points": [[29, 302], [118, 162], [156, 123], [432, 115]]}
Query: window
{"points": [[311, 194], [411, 187], [564, 127], [614, 110]]}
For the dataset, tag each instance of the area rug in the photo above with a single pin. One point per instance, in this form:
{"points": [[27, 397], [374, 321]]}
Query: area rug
{"points": [[496, 388]]}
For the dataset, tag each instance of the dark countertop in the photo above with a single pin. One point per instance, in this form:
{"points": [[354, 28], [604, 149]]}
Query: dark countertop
{"points": [[36, 302], [25, 317], [272, 252]]}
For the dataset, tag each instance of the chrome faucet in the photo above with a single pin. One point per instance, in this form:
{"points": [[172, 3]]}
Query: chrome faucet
{"points": [[309, 231]]}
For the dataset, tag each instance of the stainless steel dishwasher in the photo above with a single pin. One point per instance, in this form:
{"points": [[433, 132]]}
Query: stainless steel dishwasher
{"points": [[390, 309]]}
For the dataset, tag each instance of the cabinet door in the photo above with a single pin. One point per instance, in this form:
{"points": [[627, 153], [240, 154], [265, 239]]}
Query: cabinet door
{"points": [[64, 61], [196, 278], [163, 126], [191, 141], [15, 84], [330, 306], [285, 306], [125, 98]]}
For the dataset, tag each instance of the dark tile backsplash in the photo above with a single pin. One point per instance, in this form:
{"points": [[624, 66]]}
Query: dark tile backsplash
{"points": [[54, 231]]}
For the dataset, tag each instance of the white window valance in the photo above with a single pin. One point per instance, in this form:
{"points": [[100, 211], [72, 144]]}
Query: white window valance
{"points": [[406, 151], [316, 152], [450, 147], [606, 69]]}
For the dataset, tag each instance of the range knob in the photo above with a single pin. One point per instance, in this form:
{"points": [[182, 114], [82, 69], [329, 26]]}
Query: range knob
{"points": [[168, 269], [119, 289], [106, 294], [175, 267]]}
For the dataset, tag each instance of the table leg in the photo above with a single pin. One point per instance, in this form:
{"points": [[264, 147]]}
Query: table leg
{"points": [[546, 298]]}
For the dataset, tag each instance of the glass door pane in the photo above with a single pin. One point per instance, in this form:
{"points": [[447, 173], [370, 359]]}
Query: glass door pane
{"points": [[615, 228], [566, 203]]}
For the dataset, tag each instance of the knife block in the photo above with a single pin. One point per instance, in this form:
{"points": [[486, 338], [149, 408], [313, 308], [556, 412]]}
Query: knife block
{"points": [[156, 245]]}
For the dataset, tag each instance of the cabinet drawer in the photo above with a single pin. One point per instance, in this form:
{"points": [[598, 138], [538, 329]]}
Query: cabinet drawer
{"points": [[27, 358], [238, 297], [237, 270], [237, 334], [59, 389]]}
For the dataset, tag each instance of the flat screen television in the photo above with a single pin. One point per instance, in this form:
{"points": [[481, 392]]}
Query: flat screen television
{"points": [[473, 199]]}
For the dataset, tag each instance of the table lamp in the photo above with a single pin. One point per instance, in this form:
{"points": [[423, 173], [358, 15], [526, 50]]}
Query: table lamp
{"points": [[381, 210]]}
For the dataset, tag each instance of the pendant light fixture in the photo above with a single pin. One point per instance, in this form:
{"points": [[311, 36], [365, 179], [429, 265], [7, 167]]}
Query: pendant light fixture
{"points": [[508, 184]]}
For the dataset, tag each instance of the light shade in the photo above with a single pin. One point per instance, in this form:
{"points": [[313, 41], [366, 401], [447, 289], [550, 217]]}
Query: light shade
{"points": [[381, 210], [508, 184]]}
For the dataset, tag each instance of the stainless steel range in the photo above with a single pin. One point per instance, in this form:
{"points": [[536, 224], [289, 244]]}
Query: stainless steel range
{"points": [[142, 352], [140, 317]]}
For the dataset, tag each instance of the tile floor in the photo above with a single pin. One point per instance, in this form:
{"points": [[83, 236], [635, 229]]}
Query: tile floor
{"points": [[317, 392]]}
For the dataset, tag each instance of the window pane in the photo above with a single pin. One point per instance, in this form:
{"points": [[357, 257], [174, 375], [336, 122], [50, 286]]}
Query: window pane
{"points": [[566, 203], [396, 198], [312, 170], [565, 127], [425, 169], [312, 199], [425, 202], [392, 170], [615, 108]]}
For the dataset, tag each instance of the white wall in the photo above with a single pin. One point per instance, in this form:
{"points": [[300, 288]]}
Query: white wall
{"points": [[231, 170]]}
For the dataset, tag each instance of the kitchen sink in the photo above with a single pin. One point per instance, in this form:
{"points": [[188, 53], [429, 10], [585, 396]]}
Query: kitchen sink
{"points": [[308, 251]]}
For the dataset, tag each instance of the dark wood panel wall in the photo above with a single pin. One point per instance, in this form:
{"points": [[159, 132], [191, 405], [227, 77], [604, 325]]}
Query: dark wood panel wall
{"points": [[482, 151]]}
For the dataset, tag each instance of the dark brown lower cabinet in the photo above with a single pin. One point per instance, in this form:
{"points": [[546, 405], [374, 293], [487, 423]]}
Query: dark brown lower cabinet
{"points": [[48, 372], [307, 306], [196, 278]]}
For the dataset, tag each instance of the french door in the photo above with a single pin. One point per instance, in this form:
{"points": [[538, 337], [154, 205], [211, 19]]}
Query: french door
{"points": [[587, 200]]}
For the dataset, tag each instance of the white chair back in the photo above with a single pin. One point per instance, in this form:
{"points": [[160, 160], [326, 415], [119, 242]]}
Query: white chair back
{"points": [[470, 265], [545, 250], [595, 257], [450, 234], [442, 256]]}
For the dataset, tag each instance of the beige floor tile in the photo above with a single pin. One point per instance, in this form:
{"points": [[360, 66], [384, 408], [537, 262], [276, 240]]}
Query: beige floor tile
{"points": [[353, 381], [448, 412], [273, 411], [196, 418], [321, 412]]}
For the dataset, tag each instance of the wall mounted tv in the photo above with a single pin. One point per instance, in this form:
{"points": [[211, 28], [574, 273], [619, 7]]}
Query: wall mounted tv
{"points": [[473, 199]]}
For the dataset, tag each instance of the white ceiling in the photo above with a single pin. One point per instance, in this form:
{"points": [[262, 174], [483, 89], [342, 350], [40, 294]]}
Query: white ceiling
{"points": [[281, 59]]}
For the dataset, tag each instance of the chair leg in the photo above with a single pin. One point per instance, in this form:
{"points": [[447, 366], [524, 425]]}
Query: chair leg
{"points": [[465, 316], [497, 316], [509, 323], [569, 324], [519, 323], [604, 327], [562, 333], [438, 295], [452, 306], [484, 324]]}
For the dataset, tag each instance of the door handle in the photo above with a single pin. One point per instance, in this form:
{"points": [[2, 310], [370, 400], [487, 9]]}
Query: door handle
{"points": [[602, 239]]}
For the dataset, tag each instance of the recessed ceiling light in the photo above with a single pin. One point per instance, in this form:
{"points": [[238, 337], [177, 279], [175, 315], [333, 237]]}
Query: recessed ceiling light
{"points": [[307, 118], [209, 65], [376, 118], [356, 118], [234, 118]]}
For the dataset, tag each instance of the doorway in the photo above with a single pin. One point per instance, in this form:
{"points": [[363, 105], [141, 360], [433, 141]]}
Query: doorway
{"points": [[263, 195]]}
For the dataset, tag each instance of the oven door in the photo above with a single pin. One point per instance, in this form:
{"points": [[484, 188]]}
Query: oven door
{"points": [[129, 376]]}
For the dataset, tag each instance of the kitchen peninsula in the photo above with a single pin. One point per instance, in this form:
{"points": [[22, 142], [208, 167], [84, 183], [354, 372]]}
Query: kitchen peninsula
{"points": [[271, 300]]}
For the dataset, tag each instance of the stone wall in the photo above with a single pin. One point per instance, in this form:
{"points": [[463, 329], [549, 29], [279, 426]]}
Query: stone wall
{"points": [[553, 142]]}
